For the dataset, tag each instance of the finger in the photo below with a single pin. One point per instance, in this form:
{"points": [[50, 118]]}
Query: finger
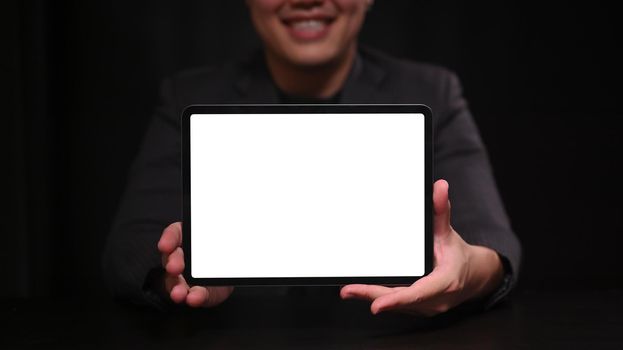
{"points": [[197, 296], [364, 291], [441, 205], [208, 296], [421, 291], [171, 238], [177, 288], [175, 262]]}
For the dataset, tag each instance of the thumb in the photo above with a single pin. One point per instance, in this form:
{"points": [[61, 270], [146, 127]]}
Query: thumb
{"points": [[441, 205]]}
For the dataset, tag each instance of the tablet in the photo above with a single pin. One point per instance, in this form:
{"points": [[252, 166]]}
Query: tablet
{"points": [[306, 194]]}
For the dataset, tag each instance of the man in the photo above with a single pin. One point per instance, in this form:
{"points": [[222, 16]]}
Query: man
{"points": [[311, 55]]}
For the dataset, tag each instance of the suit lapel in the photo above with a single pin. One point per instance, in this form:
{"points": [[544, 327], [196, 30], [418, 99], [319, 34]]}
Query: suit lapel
{"points": [[254, 84], [364, 83]]}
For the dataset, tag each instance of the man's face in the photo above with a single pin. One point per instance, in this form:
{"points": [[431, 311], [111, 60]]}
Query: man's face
{"points": [[308, 32]]}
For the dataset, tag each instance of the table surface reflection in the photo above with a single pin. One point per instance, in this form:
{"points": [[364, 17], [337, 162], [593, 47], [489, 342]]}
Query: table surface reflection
{"points": [[547, 319]]}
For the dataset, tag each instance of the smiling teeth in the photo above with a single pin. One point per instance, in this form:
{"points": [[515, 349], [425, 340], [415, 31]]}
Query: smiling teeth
{"points": [[309, 25]]}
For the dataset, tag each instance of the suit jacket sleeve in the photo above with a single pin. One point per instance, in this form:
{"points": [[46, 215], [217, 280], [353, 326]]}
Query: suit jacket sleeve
{"points": [[151, 201], [478, 213]]}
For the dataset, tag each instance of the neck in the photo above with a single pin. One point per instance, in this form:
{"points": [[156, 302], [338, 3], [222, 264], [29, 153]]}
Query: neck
{"points": [[320, 81]]}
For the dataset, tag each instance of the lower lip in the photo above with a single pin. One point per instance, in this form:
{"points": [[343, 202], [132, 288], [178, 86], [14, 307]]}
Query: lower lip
{"points": [[308, 35]]}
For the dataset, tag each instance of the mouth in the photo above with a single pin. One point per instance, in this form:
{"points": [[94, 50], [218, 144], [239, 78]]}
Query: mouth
{"points": [[308, 28]]}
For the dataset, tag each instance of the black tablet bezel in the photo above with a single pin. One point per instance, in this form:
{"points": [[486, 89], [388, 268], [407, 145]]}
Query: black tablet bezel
{"points": [[298, 109]]}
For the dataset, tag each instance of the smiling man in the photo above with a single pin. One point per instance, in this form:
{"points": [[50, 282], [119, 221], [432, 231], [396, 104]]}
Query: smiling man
{"points": [[310, 46], [311, 55]]}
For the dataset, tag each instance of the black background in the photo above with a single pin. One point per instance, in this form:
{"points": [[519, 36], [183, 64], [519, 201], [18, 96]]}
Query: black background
{"points": [[542, 79]]}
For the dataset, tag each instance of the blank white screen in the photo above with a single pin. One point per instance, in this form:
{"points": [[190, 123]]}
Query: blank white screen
{"points": [[307, 195]]}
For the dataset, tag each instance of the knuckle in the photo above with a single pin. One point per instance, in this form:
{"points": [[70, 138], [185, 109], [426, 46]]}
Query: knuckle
{"points": [[416, 299], [455, 286], [441, 308]]}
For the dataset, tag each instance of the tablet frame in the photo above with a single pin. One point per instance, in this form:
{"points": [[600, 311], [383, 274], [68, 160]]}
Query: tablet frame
{"points": [[305, 109]]}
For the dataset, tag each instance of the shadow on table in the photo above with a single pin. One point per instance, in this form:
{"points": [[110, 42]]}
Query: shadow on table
{"points": [[259, 322]]}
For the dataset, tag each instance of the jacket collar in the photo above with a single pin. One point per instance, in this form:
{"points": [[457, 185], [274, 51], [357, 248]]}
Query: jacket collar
{"points": [[365, 80], [254, 84]]}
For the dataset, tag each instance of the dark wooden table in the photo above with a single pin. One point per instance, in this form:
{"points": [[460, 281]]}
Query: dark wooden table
{"points": [[532, 319]]}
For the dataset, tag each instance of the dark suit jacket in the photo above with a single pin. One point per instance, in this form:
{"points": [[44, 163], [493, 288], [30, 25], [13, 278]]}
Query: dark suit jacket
{"points": [[152, 199]]}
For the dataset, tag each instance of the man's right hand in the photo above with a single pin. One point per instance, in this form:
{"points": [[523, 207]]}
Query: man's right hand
{"points": [[170, 246]]}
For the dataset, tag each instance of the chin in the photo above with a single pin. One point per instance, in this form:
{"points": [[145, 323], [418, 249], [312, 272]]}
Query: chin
{"points": [[312, 56]]}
